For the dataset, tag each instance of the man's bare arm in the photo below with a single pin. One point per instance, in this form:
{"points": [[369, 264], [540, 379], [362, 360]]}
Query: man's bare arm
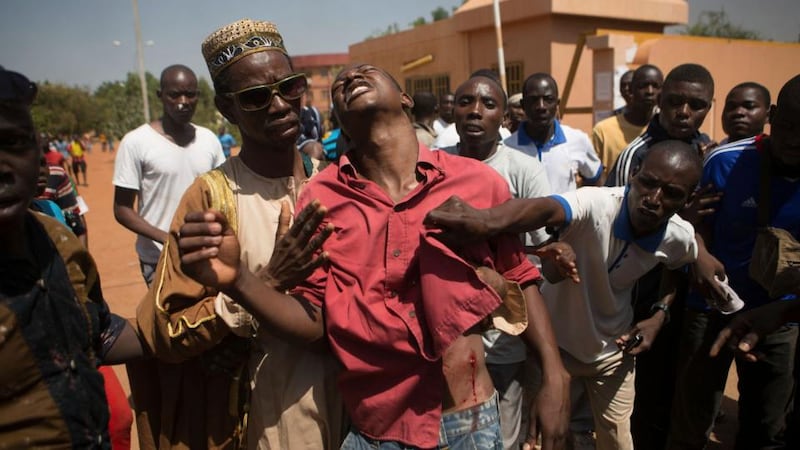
{"points": [[748, 328], [463, 222], [551, 406], [129, 218]]}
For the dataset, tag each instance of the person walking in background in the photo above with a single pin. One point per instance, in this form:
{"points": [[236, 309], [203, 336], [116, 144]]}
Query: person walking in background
{"points": [[226, 140], [78, 160], [158, 161]]}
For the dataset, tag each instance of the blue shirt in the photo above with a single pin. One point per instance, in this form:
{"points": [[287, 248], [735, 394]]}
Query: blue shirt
{"points": [[227, 141], [733, 169]]}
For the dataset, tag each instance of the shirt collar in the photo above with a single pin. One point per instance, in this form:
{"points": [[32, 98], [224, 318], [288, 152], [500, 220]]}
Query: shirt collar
{"points": [[556, 139], [624, 231], [426, 162]]}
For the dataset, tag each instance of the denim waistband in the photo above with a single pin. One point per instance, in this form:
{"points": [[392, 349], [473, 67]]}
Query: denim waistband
{"points": [[469, 420]]}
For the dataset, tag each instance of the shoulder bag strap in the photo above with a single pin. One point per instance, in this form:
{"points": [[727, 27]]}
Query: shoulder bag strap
{"points": [[764, 189]]}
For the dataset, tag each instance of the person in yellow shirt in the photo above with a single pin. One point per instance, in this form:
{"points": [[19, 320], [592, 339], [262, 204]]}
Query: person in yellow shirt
{"points": [[610, 136], [77, 151]]}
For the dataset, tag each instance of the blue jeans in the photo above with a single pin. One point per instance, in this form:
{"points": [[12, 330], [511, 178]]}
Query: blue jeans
{"points": [[476, 428], [148, 272]]}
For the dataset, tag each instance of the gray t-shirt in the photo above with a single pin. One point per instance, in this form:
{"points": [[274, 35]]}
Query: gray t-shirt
{"points": [[526, 178]]}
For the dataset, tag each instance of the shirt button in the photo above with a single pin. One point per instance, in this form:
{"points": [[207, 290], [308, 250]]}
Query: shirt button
{"points": [[396, 252], [392, 294], [412, 314], [73, 365]]}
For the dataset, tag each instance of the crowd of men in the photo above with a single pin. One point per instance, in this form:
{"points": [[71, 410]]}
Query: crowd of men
{"points": [[463, 271]]}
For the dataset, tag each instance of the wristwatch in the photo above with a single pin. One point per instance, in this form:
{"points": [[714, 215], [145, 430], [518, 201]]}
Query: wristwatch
{"points": [[663, 307]]}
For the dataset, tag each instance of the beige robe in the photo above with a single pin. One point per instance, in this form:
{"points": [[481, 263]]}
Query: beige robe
{"points": [[294, 402]]}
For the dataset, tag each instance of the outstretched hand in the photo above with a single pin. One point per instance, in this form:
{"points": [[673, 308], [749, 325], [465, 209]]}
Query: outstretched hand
{"points": [[558, 262], [209, 249], [295, 255], [703, 203], [460, 222], [748, 328]]}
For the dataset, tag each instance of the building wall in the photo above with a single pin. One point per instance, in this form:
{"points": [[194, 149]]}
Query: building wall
{"points": [[391, 52], [321, 69], [542, 35]]}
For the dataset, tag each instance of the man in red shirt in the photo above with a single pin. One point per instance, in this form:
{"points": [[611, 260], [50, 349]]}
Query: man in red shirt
{"points": [[401, 312]]}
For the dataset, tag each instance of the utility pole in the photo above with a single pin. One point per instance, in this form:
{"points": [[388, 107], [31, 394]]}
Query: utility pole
{"points": [[140, 57], [501, 58]]}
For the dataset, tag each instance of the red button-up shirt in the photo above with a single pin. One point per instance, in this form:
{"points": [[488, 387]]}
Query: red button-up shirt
{"points": [[387, 332]]}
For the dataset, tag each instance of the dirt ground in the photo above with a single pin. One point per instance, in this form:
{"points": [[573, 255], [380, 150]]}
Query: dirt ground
{"points": [[113, 249]]}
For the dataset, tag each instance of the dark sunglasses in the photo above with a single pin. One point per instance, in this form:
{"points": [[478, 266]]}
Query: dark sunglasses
{"points": [[15, 86], [259, 97]]}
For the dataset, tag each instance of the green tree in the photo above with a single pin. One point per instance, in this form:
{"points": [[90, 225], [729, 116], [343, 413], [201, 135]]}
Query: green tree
{"points": [[439, 14], [418, 22], [63, 109], [717, 24]]}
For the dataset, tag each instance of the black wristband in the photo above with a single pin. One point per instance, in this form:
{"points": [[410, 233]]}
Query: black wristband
{"points": [[663, 307]]}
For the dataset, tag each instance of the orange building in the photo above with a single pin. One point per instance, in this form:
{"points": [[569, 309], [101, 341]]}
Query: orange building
{"points": [[584, 45], [320, 69]]}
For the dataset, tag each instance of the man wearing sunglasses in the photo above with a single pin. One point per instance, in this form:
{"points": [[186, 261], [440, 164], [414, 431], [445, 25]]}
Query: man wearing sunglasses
{"points": [[217, 366], [158, 161]]}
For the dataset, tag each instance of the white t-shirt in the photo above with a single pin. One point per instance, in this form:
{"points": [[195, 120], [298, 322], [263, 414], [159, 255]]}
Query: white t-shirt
{"points": [[439, 125], [526, 178], [562, 161], [588, 317], [449, 137], [161, 170]]}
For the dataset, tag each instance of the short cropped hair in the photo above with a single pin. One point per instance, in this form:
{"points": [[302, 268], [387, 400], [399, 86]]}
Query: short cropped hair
{"points": [[174, 68], [493, 77], [425, 104], [690, 73], [762, 90], [540, 76]]}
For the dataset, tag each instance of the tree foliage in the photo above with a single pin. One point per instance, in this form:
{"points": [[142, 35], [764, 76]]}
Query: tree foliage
{"points": [[439, 14], [717, 24], [63, 109], [114, 108], [436, 15]]}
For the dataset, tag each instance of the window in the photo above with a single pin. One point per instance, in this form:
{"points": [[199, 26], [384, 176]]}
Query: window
{"points": [[514, 76], [437, 84]]}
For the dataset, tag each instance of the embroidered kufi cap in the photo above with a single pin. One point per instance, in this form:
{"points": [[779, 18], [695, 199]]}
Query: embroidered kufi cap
{"points": [[238, 39]]}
